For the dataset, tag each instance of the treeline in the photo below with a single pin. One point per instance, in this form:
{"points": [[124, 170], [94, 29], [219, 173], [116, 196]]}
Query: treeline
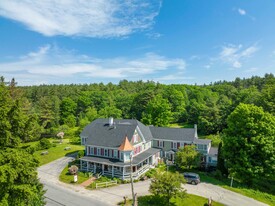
{"points": [[59, 107]]}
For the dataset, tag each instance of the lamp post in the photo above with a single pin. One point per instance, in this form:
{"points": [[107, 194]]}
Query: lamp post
{"points": [[131, 177]]}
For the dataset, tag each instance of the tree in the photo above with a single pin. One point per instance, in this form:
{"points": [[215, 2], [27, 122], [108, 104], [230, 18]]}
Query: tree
{"points": [[221, 163], [158, 112], [167, 185], [18, 179], [18, 176], [68, 111], [249, 143], [187, 157]]}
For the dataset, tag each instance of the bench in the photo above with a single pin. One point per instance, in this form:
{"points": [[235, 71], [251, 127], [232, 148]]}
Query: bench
{"points": [[44, 153]]}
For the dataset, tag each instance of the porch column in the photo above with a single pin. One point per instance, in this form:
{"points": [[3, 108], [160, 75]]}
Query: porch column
{"points": [[94, 168], [102, 169], [112, 170]]}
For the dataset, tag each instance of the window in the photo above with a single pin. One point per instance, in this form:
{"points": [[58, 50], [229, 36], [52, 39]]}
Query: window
{"points": [[174, 145], [161, 144], [105, 152], [115, 153], [98, 151], [200, 146], [135, 138], [91, 150], [121, 155]]}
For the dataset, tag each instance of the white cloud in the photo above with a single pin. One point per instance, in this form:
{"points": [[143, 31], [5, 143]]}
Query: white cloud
{"points": [[235, 54], [95, 18], [241, 11], [53, 65]]}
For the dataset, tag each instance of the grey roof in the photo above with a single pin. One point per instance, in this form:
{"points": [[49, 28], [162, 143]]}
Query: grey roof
{"points": [[181, 134], [201, 141], [213, 151], [136, 160], [100, 133]]}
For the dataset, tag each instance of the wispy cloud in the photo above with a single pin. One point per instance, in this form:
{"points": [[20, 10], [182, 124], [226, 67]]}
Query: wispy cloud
{"points": [[241, 11], [96, 18], [235, 54], [51, 64]]}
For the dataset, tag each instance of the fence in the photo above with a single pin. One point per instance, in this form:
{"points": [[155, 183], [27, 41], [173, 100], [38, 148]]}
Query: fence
{"points": [[105, 184]]}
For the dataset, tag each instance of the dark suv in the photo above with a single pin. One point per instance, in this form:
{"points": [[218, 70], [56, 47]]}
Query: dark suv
{"points": [[192, 178]]}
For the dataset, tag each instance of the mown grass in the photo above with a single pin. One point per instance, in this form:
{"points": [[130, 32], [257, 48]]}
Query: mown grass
{"points": [[190, 200], [66, 177], [181, 125], [55, 152]]}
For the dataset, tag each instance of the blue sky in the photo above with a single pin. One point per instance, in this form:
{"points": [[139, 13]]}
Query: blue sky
{"points": [[169, 41]]}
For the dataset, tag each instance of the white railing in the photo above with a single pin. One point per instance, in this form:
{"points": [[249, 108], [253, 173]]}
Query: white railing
{"points": [[105, 184]]}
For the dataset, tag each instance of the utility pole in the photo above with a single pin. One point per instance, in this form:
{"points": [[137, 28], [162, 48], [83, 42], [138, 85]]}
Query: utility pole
{"points": [[131, 177]]}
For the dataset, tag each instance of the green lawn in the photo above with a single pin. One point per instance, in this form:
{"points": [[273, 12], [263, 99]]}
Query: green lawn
{"points": [[54, 152], [190, 200], [66, 177]]}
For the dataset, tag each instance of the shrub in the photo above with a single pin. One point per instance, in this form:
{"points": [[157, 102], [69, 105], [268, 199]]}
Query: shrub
{"points": [[73, 169], [218, 175], [151, 173], [44, 144], [80, 153], [32, 149]]}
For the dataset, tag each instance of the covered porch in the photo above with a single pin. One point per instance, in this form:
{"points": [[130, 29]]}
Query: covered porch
{"points": [[115, 168]]}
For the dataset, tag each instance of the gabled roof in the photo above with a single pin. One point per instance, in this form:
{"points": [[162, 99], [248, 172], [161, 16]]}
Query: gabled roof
{"points": [[126, 145], [213, 151], [100, 133], [180, 134]]}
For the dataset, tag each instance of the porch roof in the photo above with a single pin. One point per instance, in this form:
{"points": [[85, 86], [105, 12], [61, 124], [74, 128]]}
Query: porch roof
{"points": [[108, 161]]}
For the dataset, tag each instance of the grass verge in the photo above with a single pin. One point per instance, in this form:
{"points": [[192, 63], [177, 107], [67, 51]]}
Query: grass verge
{"points": [[190, 200]]}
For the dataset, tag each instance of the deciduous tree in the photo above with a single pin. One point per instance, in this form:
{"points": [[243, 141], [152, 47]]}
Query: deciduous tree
{"points": [[249, 143], [167, 185], [187, 157]]}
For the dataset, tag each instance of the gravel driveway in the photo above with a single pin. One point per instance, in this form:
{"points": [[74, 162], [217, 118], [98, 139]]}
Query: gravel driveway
{"points": [[77, 195]]}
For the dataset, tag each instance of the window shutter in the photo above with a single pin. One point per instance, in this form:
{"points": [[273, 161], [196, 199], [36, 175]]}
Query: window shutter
{"points": [[112, 153], [158, 143], [171, 145], [95, 151], [102, 152], [178, 146]]}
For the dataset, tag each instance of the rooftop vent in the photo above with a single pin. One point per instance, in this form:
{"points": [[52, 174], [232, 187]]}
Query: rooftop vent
{"points": [[111, 121]]}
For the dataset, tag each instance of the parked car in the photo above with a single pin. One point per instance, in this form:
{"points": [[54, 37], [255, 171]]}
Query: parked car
{"points": [[192, 178]]}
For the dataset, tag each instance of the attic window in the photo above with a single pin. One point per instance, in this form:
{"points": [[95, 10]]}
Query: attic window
{"points": [[135, 138]]}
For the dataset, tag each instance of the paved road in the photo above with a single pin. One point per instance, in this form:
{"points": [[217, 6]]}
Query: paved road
{"points": [[59, 193]]}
